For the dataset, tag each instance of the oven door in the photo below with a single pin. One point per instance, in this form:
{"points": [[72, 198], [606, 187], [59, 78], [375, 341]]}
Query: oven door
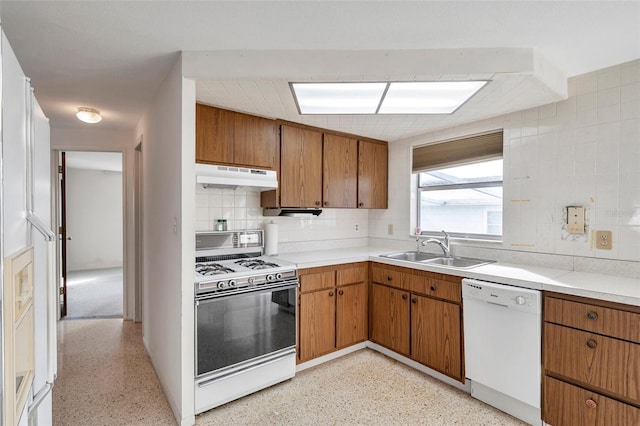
{"points": [[237, 330]]}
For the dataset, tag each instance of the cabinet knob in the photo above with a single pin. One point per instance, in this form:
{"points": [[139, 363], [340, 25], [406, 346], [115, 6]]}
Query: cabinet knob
{"points": [[360, 204], [592, 315], [317, 203], [389, 278], [404, 297], [326, 203], [341, 292], [414, 300], [433, 288], [592, 343], [330, 294], [590, 403]]}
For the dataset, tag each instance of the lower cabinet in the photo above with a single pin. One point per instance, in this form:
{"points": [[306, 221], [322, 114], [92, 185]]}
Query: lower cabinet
{"points": [[435, 335], [332, 309], [390, 318], [591, 360], [419, 315]]}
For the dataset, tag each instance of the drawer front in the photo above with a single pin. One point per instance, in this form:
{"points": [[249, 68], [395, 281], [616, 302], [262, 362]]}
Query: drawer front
{"points": [[446, 290], [605, 363], [317, 281], [568, 405], [354, 275], [388, 277], [607, 321]]}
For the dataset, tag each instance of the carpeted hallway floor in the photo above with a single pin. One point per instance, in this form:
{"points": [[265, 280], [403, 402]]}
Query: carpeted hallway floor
{"points": [[105, 378], [95, 293]]}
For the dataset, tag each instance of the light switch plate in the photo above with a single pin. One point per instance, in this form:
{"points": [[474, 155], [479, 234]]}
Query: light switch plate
{"points": [[575, 220], [603, 240]]}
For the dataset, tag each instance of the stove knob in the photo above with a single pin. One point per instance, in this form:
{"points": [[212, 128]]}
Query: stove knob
{"points": [[270, 277], [520, 300], [251, 280], [222, 284], [279, 276], [232, 283]]}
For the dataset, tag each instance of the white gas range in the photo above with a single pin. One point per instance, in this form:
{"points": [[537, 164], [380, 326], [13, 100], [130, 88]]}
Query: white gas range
{"points": [[245, 324]]}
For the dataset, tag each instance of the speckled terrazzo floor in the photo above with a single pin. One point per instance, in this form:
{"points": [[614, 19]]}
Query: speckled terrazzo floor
{"points": [[106, 378], [363, 388]]}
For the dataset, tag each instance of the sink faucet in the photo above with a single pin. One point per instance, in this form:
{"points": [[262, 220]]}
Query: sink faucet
{"points": [[444, 245]]}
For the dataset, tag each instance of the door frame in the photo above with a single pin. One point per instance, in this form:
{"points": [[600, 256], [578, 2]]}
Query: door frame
{"points": [[127, 284]]}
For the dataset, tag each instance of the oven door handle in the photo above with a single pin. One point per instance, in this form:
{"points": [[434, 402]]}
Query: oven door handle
{"points": [[249, 290], [270, 359]]}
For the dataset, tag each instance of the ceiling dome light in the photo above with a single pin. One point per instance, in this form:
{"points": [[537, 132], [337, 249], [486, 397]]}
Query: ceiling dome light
{"points": [[89, 115]]}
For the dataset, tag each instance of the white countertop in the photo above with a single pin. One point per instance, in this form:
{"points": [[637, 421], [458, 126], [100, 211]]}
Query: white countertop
{"points": [[597, 286]]}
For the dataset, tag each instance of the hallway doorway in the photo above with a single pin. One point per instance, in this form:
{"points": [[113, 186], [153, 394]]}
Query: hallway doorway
{"points": [[91, 212]]}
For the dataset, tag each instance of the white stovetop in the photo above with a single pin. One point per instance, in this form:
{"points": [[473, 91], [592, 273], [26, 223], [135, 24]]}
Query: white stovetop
{"points": [[597, 286]]}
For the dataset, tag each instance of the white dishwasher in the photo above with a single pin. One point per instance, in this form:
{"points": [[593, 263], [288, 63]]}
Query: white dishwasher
{"points": [[502, 346]]}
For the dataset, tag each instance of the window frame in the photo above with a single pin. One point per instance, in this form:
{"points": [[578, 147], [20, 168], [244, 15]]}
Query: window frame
{"points": [[470, 185]]}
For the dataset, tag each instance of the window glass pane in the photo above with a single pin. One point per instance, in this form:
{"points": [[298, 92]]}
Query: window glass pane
{"points": [[488, 171], [466, 211]]}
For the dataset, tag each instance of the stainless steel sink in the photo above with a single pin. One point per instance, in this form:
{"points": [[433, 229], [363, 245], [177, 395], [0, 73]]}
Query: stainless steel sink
{"points": [[411, 256], [434, 259], [457, 262]]}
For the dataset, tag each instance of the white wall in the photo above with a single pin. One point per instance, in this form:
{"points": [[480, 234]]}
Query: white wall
{"points": [[580, 151], [168, 151], [88, 138], [94, 219], [241, 209]]}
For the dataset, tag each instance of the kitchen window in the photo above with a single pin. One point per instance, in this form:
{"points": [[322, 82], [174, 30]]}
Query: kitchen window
{"points": [[460, 187]]}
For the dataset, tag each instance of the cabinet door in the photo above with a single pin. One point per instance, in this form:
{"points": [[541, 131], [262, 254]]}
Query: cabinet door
{"points": [[214, 135], [390, 318], [317, 324], [372, 175], [256, 142], [435, 335], [351, 315], [301, 168], [340, 172]]}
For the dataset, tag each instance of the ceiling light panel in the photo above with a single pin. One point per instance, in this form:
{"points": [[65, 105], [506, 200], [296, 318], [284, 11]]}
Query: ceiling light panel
{"points": [[338, 98], [434, 97]]}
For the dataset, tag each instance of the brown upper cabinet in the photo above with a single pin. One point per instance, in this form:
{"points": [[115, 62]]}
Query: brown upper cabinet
{"points": [[372, 175], [300, 177], [227, 137], [328, 170], [340, 172]]}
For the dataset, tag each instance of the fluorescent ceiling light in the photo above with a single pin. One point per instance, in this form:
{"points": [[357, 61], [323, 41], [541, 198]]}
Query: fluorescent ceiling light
{"points": [[89, 115], [338, 98], [430, 97]]}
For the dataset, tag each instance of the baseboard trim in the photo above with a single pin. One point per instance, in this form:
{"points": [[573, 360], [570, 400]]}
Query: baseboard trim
{"points": [[329, 357]]}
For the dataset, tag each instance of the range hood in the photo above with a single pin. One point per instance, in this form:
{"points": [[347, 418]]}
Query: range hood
{"points": [[210, 175], [284, 211]]}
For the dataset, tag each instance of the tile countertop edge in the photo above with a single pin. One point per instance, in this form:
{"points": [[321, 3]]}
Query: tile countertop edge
{"points": [[618, 289]]}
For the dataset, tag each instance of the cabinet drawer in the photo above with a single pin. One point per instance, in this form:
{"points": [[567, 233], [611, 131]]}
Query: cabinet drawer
{"points": [[565, 404], [611, 322], [611, 365], [440, 289], [317, 281], [388, 277], [358, 274]]}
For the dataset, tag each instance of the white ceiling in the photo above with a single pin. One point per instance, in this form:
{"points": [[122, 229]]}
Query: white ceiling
{"points": [[114, 55]]}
